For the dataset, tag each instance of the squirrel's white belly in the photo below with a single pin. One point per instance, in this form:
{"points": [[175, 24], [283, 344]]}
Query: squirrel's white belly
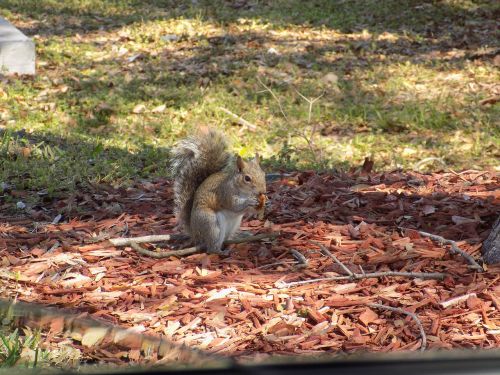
{"points": [[229, 222]]}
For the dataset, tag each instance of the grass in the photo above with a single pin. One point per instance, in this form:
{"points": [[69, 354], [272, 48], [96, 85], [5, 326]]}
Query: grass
{"points": [[16, 349], [25, 347], [118, 82]]}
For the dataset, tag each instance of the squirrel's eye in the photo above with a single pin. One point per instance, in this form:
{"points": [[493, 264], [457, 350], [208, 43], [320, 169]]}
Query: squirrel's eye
{"points": [[248, 178]]}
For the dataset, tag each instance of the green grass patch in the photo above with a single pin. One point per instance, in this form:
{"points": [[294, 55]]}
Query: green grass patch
{"points": [[118, 82]]}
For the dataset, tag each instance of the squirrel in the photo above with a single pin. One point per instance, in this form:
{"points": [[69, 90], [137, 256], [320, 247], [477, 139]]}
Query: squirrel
{"points": [[214, 188]]}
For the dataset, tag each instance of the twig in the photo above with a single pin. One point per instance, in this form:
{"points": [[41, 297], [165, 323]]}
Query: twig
{"points": [[274, 96], [311, 102], [327, 252], [357, 276], [372, 275], [456, 300], [414, 316], [491, 100], [310, 139], [269, 265], [126, 241], [426, 160], [133, 243], [239, 119], [458, 175], [164, 254], [255, 237], [301, 259], [454, 249]]}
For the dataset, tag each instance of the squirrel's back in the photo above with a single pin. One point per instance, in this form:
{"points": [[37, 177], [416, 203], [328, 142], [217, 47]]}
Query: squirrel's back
{"points": [[193, 160]]}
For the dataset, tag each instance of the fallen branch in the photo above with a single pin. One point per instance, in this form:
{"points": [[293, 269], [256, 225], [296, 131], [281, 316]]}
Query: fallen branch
{"points": [[414, 316], [327, 252], [372, 275], [454, 249], [239, 119], [126, 241], [358, 276], [133, 242]]}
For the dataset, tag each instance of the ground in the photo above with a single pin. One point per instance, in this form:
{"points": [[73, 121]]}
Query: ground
{"points": [[241, 305], [317, 85]]}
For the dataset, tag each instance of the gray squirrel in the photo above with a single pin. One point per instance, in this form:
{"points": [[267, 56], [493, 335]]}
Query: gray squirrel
{"points": [[214, 188]]}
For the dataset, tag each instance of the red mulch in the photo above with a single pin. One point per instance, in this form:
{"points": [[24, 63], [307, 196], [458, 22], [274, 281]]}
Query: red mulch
{"points": [[233, 305]]}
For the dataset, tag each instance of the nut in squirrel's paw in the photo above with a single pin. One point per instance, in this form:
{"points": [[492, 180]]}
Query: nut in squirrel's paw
{"points": [[261, 206], [262, 201]]}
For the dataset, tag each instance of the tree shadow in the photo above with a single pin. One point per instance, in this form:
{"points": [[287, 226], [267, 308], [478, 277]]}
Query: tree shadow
{"points": [[420, 16]]}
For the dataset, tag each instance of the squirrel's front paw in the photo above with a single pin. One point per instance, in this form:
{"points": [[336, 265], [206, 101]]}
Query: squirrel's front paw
{"points": [[253, 202]]}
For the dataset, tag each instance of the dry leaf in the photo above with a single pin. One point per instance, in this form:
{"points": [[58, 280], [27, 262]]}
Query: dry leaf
{"points": [[159, 109], [139, 108]]}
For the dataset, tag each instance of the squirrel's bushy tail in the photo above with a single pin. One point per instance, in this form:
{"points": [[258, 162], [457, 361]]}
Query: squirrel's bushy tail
{"points": [[193, 160]]}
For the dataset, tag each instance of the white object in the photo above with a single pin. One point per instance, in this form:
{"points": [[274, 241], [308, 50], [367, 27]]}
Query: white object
{"points": [[17, 51]]}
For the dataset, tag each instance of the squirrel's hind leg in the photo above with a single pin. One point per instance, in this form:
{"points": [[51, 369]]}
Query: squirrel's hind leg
{"points": [[207, 231]]}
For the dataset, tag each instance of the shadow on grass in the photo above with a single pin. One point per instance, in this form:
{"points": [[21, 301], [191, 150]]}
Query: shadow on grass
{"points": [[180, 81], [179, 76], [420, 16], [43, 166]]}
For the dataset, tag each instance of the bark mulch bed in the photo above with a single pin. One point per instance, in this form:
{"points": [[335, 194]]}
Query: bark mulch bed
{"points": [[58, 254]]}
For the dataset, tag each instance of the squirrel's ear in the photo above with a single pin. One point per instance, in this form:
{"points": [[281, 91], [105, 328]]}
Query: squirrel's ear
{"points": [[240, 163], [256, 159]]}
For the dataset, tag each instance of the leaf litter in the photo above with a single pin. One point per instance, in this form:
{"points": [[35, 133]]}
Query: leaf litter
{"points": [[237, 305]]}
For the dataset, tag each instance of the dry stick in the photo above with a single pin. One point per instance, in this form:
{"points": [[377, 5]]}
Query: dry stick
{"points": [[311, 102], [417, 166], [239, 119], [164, 254], [133, 243], [423, 345], [269, 265], [301, 259], [126, 241], [357, 276], [274, 96], [255, 237], [458, 175], [310, 140], [456, 300], [327, 252], [454, 249], [372, 275]]}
